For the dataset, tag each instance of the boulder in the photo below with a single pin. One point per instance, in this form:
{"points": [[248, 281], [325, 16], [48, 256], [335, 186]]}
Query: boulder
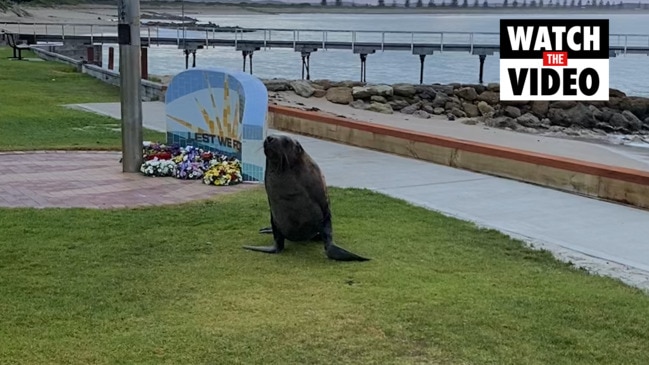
{"points": [[302, 88], [607, 114], [493, 86], [438, 111], [486, 109], [466, 93], [613, 102], [477, 87], [563, 104], [428, 108], [502, 122], [615, 93], [276, 84], [558, 117], [636, 105], [444, 89], [319, 93], [424, 92], [616, 123], [339, 95], [316, 86], [540, 108], [529, 120], [378, 99], [633, 122], [380, 108], [512, 111], [491, 97], [470, 110], [452, 104], [411, 108], [440, 100], [359, 104], [347, 83], [518, 103], [324, 84], [407, 90], [581, 116], [458, 113], [595, 112], [398, 104], [365, 92], [421, 114]]}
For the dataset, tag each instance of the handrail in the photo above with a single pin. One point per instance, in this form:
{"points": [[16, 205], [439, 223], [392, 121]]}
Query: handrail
{"points": [[471, 40], [242, 30]]}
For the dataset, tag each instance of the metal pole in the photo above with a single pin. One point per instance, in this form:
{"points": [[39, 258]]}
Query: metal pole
{"points": [[182, 4], [422, 58], [482, 59], [130, 81]]}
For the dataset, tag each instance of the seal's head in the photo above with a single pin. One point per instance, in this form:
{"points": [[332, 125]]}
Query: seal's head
{"points": [[282, 151]]}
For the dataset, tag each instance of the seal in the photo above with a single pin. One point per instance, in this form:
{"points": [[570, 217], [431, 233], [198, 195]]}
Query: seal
{"points": [[298, 199]]}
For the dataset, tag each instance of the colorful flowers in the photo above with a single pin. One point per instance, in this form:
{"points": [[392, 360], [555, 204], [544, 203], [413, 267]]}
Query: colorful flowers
{"points": [[190, 163], [157, 167], [223, 173]]}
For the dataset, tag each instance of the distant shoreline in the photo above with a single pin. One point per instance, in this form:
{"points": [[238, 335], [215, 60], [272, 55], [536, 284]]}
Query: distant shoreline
{"points": [[362, 9], [102, 13]]}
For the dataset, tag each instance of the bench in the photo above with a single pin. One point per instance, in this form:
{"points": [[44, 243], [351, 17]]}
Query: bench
{"points": [[17, 45]]}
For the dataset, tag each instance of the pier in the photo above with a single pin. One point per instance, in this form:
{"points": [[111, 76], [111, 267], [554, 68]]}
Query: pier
{"points": [[303, 41]]}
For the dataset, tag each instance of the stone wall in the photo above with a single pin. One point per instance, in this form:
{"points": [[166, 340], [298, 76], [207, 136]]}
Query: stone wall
{"points": [[621, 113]]}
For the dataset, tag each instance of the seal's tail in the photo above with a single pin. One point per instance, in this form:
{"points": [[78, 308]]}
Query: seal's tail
{"points": [[340, 254]]}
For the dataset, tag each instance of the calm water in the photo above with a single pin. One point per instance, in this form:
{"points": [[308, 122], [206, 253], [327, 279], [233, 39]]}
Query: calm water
{"points": [[627, 73]]}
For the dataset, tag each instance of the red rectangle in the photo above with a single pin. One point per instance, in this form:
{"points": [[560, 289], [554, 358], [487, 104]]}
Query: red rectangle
{"points": [[555, 58]]}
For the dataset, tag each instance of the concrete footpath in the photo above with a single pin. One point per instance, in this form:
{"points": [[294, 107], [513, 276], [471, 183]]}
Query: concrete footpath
{"points": [[606, 238]]}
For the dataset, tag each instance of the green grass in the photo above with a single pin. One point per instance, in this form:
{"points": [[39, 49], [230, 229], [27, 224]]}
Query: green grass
{"points": [[172, 285], [32, 115]]}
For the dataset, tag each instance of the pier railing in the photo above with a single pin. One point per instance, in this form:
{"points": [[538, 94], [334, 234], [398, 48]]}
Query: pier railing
{"points": [[268, 38]]}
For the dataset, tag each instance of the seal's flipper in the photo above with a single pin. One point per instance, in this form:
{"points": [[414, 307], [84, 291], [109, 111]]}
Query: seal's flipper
{"points": [[277, 237], [340, 254], [335, 252], [266, 249]]}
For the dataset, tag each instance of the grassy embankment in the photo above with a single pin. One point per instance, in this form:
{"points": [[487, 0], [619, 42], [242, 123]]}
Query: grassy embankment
{"points": [[32, 115]]}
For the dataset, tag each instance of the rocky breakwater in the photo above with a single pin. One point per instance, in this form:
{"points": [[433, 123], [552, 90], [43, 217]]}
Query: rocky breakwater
{"points": [[474, 104]]}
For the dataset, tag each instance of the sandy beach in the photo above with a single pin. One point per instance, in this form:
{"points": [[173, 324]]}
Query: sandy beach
{"points": [[105, 14]]}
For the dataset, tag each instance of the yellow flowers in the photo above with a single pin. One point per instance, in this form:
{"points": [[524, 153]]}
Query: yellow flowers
{"points": [[223, 173]]}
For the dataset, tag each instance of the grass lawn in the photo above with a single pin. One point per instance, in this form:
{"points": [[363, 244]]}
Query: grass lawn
{"points": [[172, 285], [32, 115]]}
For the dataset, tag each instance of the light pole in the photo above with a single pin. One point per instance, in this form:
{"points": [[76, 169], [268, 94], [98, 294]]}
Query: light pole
{"points": [[128, 34]]}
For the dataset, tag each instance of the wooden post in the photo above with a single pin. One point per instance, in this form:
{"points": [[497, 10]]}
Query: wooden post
{"points": [[111, 58], [90, 55], [145, 63]]}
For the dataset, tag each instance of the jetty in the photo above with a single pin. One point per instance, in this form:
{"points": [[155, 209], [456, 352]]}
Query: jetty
{"points": [[303, 41]]}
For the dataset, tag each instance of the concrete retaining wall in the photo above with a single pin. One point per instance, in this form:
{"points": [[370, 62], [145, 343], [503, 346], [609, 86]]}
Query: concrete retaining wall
{"points": [[594, 180], [46, 53], [151, 91]]}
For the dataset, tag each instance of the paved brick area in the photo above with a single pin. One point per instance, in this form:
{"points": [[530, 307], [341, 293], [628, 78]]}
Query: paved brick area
{"points": [[91, 180]]}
